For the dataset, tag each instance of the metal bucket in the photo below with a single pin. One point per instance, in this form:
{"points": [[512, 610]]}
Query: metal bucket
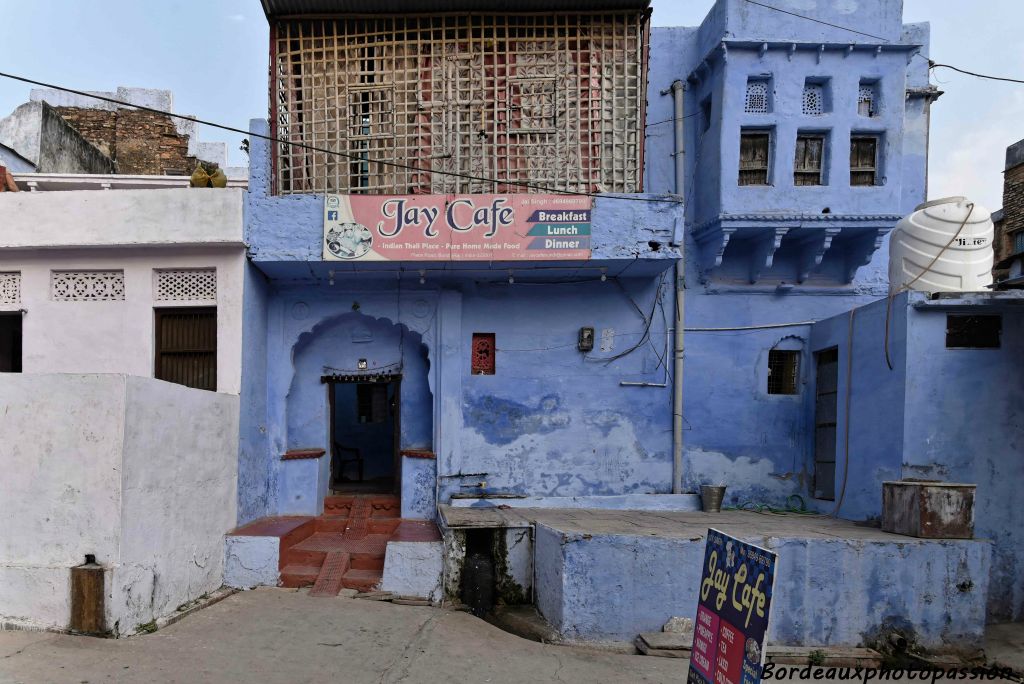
{"points": [[711, 497]]}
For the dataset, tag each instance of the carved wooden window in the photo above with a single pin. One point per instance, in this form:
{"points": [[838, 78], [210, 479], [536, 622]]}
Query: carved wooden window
{"points": [[783, 371], [755, 155], [483, 354], [87, 286], [810, 151], [863, 160], [10, 288], [186, 347], [756, 101]]}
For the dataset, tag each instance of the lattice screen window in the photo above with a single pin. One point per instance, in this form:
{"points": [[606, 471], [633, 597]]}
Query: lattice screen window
{"points": [[10, 288], [814, 99], [551, 100], [532, 105], [867, 99], [87, 286], [757, 97], [185, 285]]}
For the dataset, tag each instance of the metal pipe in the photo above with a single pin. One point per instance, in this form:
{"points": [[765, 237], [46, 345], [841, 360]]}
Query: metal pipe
{"points": [[680, 290]]}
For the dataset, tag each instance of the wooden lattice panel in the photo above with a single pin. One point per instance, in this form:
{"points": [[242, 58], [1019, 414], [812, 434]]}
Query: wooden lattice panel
{"points": [[551, 100]]}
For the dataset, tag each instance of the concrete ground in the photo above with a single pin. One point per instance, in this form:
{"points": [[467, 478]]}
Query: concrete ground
{"points": [[283, 635]]}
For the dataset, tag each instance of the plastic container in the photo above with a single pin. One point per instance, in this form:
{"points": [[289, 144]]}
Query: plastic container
{"points": [[964, 266]]}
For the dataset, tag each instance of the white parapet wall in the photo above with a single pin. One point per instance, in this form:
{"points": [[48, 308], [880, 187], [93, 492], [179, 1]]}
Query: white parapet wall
{"points": [[138, 472]]}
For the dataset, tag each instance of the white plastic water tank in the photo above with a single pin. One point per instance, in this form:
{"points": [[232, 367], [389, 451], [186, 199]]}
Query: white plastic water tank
{"points": [[918, 248]]}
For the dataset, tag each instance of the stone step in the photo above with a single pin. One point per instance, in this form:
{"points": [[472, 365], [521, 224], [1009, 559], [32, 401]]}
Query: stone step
{"points": [[295, 576], [361, 580]]}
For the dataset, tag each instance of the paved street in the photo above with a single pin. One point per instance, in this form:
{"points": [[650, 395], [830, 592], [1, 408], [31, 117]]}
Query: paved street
{"points": [[280, 635]]}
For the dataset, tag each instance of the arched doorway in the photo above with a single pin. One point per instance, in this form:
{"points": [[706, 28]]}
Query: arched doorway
{"points": [[359, 391]]}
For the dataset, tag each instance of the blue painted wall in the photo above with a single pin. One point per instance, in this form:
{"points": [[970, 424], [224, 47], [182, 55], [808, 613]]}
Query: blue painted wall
{"points": [[954, 415], [761, 445]]}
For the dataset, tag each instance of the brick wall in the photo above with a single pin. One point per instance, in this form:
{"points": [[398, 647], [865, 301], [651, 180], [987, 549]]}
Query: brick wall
{"points": [[142, 143]]}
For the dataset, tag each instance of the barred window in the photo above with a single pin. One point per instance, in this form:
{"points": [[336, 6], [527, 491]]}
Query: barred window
{"points": [[783, 371]]}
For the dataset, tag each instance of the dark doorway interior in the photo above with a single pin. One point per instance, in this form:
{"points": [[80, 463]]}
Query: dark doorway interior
{"points": [[365, 436], [10, 343]]}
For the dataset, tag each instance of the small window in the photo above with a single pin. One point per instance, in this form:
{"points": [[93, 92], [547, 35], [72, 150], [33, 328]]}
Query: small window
{"points": [[10, 342], [371, 403], [864, 160], [973, 332], [783, 371], [814, 98], [755, 149], [186, 347], [757, 101], [810, 150], [1018, 242], [867, 99], [483, 354]]}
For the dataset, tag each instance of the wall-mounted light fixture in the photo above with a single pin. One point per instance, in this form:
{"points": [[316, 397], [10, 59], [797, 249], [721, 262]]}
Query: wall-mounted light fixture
{"points": [[361, 364]]}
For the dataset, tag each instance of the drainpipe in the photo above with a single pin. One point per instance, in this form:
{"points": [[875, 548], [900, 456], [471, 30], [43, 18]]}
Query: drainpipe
{"points": [[677, 356]]}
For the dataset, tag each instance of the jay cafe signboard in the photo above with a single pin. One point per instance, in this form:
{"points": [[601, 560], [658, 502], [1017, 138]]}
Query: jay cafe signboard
{"points": [[515, 227], [733, 604]]}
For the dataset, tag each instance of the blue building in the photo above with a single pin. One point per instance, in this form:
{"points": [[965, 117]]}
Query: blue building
{"points": [[473, 242]]}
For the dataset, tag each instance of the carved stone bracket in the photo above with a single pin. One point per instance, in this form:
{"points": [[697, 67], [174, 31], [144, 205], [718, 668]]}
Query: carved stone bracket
{"points": [[713, 241], [763, 254], [812, 251], [860, 251]]}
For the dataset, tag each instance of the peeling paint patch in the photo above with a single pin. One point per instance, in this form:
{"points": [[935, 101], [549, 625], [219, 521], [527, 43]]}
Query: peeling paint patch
{"points": [[502, 421]]}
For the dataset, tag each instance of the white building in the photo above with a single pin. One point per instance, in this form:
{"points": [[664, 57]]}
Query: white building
{"points": [[120, 329]]}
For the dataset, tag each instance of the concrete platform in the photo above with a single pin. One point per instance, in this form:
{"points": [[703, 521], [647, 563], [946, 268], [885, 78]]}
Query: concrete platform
{"points": [[607, 575]]}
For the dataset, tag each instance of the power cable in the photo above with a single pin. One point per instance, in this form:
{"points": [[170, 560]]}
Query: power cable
{"points": [[347, 155], [936, 65]]}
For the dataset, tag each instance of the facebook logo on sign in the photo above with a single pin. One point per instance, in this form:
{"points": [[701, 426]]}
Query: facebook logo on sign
{"points": [[332, 216]]}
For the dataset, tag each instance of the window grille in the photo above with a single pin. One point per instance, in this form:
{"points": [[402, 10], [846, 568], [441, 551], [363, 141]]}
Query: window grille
{"points": [[810, 150], [1018, 242], [87, 286], [755, 150], [863, 160], [186, 285], [757, 98], [783, 371], [814, 99], [552, 100], [10, 288], [867, 100], [186, 347]]}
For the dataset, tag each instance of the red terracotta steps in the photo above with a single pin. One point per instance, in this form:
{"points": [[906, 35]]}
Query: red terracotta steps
{"points": [[362, 580], [294, 576], [331, 577]]}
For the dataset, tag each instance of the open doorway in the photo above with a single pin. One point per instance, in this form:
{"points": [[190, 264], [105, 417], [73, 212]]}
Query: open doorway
{"points": [[365, 434]]}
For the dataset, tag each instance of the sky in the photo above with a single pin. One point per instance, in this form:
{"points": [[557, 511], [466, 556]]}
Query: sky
{"points": [[213, 55]]}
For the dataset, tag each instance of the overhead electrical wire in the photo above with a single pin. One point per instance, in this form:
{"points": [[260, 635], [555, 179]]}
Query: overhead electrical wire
{"points": [[347, 155], [817, 21]]}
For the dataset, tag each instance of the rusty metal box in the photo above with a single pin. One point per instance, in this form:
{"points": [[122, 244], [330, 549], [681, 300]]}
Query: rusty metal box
{"points": [[928, 509]]}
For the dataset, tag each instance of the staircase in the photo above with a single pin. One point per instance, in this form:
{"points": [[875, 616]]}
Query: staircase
{"points": [[345, 547]]}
